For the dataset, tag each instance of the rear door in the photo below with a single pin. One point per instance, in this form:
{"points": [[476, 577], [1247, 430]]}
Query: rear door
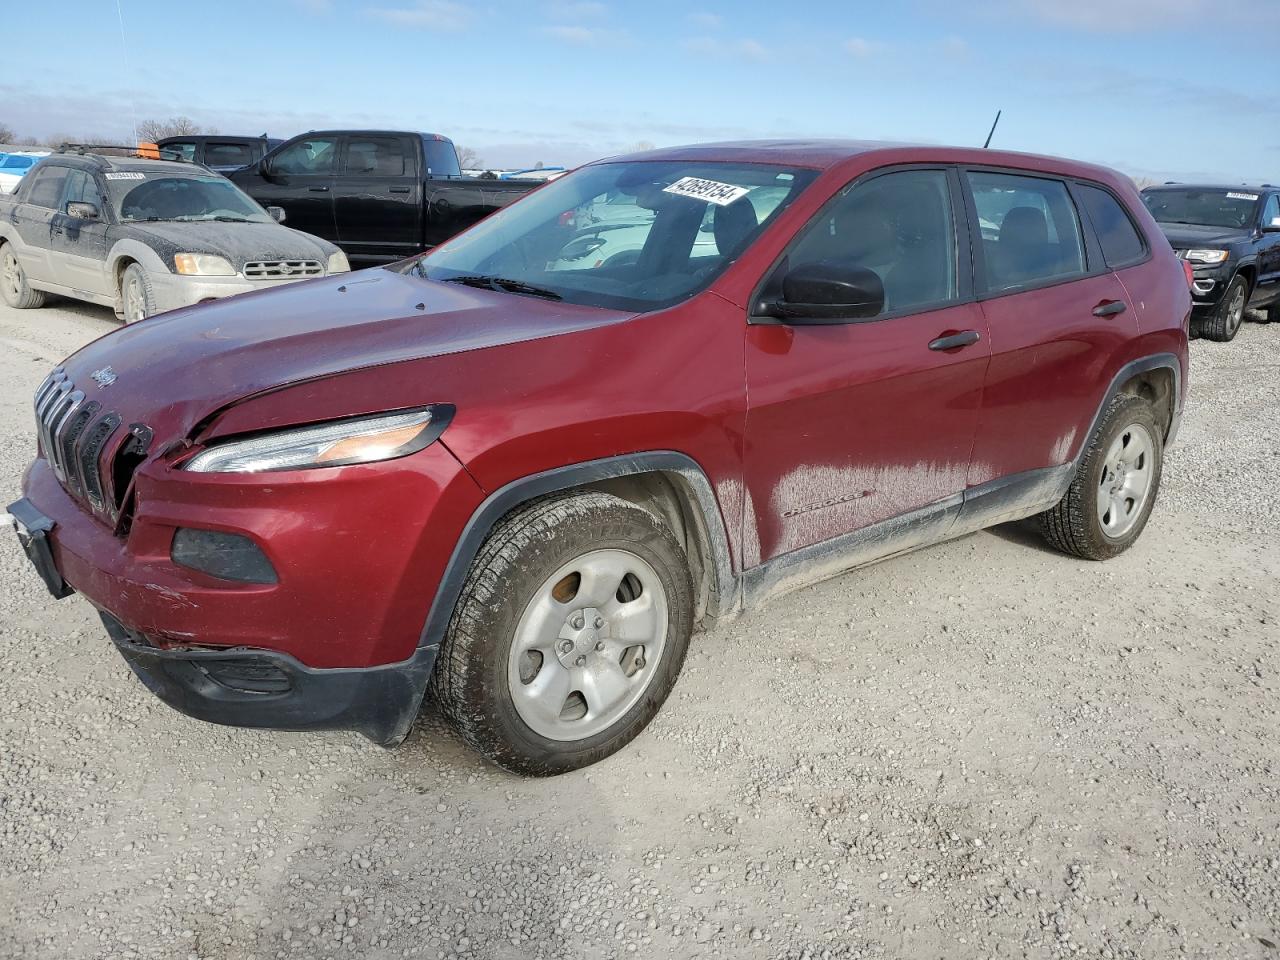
{"points": [[299, 178], [853, 423], [1268, 292], [32, 219], [1059, 321], [378, 198], [78, 248]]}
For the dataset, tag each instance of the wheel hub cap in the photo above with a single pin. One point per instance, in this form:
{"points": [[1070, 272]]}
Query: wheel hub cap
{"points": [[588, 645], [1127, 476]]}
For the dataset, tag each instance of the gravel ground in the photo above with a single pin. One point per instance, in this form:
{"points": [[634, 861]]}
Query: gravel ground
{"points": [[982, 750]]}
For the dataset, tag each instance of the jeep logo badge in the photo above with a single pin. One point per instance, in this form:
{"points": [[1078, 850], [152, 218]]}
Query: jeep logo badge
{"points": [[104, 377]]}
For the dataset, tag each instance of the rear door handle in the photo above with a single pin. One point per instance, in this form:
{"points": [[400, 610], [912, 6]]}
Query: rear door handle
{"points": [[1109, 308], [318, 189], [399, 189], [953, 341]]}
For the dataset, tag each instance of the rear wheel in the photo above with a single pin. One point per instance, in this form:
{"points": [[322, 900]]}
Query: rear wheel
{"points": [[1224, 323], [568, 635], [1109, 501], [137, 297], [14, 287]]}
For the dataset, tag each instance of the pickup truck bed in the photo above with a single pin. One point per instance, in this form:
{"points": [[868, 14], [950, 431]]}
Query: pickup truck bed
{"points": [[379, 195]]}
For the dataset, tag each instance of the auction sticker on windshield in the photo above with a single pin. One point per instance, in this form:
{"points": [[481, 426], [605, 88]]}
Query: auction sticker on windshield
{"points": [[712, 191], [1242, 196], [126, 176]]}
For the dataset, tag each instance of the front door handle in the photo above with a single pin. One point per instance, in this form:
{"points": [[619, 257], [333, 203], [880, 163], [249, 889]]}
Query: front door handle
{"points": [[953, 341], [318, 189], [399, 189], [1109, 308]]}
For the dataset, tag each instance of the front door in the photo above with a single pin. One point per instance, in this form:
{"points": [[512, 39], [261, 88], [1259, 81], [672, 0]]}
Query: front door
{"points": [[298, 178], [78, 246], [1268, 292], [850, 424]]}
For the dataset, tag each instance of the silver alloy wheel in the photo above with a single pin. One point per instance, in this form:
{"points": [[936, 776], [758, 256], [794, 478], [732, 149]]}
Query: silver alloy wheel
{"points": [[135, 300], [11, 275], [1235, 309], [588, 645], [1127, 473]]}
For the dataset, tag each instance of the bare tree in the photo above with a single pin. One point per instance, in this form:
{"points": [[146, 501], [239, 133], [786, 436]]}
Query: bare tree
{"points": [[152, 130], [1143, 182], [468, 159], [6, 134]]}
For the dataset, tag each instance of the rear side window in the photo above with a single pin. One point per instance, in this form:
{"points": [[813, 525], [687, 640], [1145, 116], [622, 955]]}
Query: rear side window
{"points": [[46, 186], [228, 154], [1120, 240], [1030, 232], [442, 159], [375, 157]]}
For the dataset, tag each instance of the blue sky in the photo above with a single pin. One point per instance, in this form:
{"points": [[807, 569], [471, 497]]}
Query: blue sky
{"points": [[1168, 89]]}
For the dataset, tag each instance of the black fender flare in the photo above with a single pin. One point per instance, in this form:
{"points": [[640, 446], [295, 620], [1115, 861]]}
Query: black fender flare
{"points": [[1133, 368], [503, 500]]}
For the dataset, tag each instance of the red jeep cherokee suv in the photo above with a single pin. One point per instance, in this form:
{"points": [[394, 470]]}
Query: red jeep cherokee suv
{"points": [[523, 468]]}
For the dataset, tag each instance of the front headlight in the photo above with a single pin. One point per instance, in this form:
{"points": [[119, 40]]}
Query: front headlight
{"points": [[362, 440], [338, 263], [1205, 256], [203, 265]]}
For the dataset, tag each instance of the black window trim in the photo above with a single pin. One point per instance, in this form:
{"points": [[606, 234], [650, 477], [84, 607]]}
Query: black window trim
{"points": [[964, 265], [1124, 208], [1095, 265]]}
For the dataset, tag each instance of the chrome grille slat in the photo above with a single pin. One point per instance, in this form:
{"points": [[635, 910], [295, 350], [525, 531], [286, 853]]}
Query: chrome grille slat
{"points": [[63, 421], [282, 269]]}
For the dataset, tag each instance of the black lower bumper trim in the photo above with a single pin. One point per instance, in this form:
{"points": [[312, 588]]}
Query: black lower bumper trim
{"points": [[262, 688], [33, 533]]}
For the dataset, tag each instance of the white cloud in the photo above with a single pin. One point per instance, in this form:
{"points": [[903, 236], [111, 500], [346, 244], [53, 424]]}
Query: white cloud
{"points": [[746, 48], [709, 21], [581, 36], [859, 47], [1126, 15], [426, 14], [956, 47], [573, 10]]}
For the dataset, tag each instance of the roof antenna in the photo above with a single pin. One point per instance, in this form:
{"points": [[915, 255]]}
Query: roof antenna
{"points": [[993, 130]]}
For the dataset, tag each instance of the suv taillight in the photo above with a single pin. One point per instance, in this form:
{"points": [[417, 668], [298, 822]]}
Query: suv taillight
{"points": [[1191, 274]]}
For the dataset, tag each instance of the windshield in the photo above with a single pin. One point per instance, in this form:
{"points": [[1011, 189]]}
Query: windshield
{"points": [[630, 236], [140, 196], [1206, 207]]}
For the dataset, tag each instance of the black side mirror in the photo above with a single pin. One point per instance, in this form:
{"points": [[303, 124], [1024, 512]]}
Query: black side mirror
{"points": [[82, 211], [277, 214], [829, 292]]}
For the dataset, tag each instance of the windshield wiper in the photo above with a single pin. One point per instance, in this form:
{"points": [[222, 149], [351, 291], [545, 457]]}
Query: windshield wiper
{"points": [[505, 285]]}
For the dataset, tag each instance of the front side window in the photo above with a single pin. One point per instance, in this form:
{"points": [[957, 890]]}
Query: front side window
{"points": [[375, 157], [81, 188], [1030, 231], [1207, 206], [182, 198], [183, 151], [631, 236], [313, 156], [46, 186], [899, 226], [1271, 214], [1119, 238]]}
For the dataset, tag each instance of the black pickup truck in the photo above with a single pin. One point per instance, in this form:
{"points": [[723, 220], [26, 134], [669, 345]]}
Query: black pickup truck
{"points": [[379, 195], [1231, 237]]}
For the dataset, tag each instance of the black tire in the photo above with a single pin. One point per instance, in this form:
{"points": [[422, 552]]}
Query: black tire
{"points": [[526, 548], [1272, 314], [135, 274], [1224, 323], [14, 287], [1073, 525]]}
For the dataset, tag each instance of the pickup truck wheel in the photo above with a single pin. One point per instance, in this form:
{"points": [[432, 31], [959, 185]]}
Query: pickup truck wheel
{"points": [[1224, 323], [569, 633], [1107, 505], [13, 282], [138, 299]]}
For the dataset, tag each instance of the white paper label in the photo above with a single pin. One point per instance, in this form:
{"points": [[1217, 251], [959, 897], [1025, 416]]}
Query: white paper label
{"points": [[126, 176], [712, 191], [1242, 196]]}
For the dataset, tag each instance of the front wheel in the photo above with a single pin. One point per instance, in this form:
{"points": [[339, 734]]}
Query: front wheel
{"points": [[1224, 323], [138, 299], [14, 287], [569, 633], [1109, 501]]}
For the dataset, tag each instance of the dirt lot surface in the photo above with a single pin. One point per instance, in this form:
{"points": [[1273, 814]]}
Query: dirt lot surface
{"points": [[980, 750]]}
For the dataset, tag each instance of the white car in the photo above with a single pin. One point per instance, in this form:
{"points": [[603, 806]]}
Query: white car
{"points": [[14, 166]]}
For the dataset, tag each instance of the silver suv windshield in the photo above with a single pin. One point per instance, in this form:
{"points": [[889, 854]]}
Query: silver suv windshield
{"points": [[630, 235], [144, 196]]}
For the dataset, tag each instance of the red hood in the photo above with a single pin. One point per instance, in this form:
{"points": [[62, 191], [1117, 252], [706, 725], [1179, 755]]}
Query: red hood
{"points": [[174, 370]]}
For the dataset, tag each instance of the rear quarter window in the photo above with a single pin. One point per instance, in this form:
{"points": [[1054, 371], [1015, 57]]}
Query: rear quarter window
{"points": [[1121, 242]]}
